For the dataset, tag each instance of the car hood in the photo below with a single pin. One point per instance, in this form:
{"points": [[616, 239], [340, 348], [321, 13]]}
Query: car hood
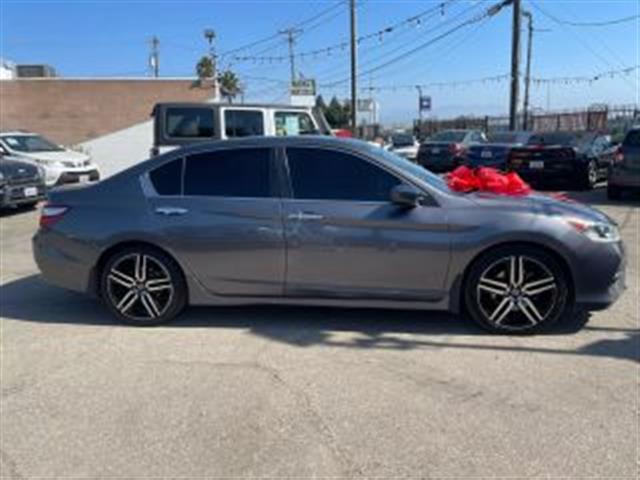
{"points": [[12, 167], [65, 155], [543, 204]]}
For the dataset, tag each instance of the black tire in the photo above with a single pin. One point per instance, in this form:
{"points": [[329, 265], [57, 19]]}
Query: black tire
{"points": [[589, 178], [550, 305], [613, 192], [152, 281]]}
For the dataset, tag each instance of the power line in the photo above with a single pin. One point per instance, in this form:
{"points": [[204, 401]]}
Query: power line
{"points": [[585, 78], [603, 23], [452, 83], [491, 11]]}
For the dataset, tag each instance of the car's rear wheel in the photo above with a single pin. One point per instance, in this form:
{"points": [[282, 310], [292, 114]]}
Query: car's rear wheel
{"points": [[590, 176], [143, 286], [517, 290], [613, 192]]}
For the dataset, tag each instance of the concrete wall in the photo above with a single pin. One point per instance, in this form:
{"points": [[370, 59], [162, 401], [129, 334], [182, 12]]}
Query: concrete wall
{"points": [[70, 111]]}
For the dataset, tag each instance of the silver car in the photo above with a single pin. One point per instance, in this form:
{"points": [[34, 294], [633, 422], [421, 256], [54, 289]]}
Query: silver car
{"points": [[323, 221]]}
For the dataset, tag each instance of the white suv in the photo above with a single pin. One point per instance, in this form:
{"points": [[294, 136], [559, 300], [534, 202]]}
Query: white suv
{"points": [[60, 165]]}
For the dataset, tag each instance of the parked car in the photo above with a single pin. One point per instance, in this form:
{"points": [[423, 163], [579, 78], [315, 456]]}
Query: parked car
{"points": [[445, 150], [580, 158], [404, 145], [624, 170], [495, 152], [21, 183], [60, 164], [323, 221], [180, 124]]}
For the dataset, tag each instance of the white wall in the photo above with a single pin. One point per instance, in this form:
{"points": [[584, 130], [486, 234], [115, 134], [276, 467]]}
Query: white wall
{"points": [[119, 150]]}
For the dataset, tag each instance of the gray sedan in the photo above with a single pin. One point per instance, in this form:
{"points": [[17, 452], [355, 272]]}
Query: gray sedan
{"points": [[323, 221]]}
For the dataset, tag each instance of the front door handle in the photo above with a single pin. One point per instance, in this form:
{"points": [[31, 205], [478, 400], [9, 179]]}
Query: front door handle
{"points": [[305, 216], [171, 211]]}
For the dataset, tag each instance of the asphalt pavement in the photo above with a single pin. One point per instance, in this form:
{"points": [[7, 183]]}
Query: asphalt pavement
{"points": [[310, 392]]}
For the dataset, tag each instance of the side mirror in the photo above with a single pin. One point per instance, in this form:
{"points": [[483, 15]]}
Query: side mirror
{"points": [[406, 196]]}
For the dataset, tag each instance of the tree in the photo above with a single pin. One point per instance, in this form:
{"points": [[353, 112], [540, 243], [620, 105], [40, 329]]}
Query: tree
{"points": [[205, 68], [320, 104], [335, 114], [229, 85]]}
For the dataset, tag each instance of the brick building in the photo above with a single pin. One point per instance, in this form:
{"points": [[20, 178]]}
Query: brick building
{"points": [[70, 111]]}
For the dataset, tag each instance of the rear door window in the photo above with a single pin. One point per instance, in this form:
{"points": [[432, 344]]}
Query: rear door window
{"points": [[243, 172], [167, 178], [189, 122], [243, 123], [294, 123]]}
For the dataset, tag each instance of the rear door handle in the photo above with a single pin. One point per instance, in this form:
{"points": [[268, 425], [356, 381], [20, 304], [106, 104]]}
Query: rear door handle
{"points": [[171, 211], [305, 216]]}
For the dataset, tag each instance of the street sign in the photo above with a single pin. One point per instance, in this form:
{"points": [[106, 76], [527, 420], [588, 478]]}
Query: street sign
{"points": [[425, 103], [365, 105], [303, 87]]}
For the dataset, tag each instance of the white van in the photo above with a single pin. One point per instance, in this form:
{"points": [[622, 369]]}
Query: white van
{"points": [[179, 124]]}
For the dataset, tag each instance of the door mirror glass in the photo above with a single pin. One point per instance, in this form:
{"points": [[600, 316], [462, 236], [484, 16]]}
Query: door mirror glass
{"points": [[406, 196]]}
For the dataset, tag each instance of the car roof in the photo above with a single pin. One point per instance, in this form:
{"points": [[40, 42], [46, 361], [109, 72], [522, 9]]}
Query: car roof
{"points": [[282, 106], [15, 133], [271, 142]]}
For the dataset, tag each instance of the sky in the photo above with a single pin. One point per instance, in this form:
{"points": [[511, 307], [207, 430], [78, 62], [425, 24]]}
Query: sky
{"points": [[89, 38]]}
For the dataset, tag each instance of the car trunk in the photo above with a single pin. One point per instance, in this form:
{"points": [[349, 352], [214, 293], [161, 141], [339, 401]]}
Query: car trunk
{"points": [[554, 158], [488, 155]]}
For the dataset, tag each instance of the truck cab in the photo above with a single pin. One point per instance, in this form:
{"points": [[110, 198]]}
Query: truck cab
{"points": [[180, 124]]}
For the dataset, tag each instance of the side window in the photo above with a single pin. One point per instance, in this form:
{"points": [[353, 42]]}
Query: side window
{"points": [[632, 139], [318, 174], [243, 123], [243, 172], [189, 122], [167, 178], [294, 123]]}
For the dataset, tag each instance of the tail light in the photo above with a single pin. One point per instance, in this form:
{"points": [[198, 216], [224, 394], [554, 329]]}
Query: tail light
{"points": [[456, 149], [52, 214], [618, 156]]}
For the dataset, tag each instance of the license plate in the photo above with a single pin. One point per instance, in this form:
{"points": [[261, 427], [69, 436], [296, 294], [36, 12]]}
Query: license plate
{"points": [[536, 164], [435, 151], [30, 191], [83, 178], [486, 154]]}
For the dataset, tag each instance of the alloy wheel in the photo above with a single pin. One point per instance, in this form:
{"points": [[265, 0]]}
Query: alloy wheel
{"points": [[140, 287], [592, 174], [516, 292]]}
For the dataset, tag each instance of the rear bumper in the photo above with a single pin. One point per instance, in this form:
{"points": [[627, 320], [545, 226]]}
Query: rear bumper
{"points": [[15, 195], [559, 173], [624, 178], [61, 261], [440, 164]]}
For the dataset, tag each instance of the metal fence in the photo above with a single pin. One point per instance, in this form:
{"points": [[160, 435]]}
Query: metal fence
{"points": [[614, 120]]}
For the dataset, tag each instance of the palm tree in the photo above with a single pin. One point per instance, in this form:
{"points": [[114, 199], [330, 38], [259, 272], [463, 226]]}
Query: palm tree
{"points": [[204, 68], [229, 85]]}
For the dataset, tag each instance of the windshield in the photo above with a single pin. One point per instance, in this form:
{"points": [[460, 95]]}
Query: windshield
{"points": [[402, 140], [572, 139], [30, 143], [508, 137], [449, 136], [410, 168]]}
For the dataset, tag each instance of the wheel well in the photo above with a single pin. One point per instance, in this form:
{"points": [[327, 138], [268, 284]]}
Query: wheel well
{"points": [[559, 258], [104, 256]]}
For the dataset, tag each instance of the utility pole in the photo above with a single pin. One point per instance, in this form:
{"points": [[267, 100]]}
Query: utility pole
{"points": [[291, 39], [527, 78], [419, 88], [210, 35], [154, 57], [515, 64], [354, 67]]}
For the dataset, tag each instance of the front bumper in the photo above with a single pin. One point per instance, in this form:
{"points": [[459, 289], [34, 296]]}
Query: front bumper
{"points": [[80, 176], [600, 276], [24, 193]]}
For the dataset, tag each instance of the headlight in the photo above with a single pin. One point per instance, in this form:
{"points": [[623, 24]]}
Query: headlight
{"points": [[596, 231], [41, 173]]}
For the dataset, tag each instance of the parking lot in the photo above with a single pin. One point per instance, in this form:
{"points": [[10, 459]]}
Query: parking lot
{"points": [[302, 392]]}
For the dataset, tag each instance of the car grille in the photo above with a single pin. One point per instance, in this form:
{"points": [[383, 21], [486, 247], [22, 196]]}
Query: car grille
{"points": [[19, 180]]}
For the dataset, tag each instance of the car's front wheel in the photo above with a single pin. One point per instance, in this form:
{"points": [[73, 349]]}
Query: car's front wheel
{"points": [[517, 289], [143, 286]]}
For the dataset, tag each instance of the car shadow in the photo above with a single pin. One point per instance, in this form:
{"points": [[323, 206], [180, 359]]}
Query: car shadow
{"points": [[305, 326], [13, 211]]}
